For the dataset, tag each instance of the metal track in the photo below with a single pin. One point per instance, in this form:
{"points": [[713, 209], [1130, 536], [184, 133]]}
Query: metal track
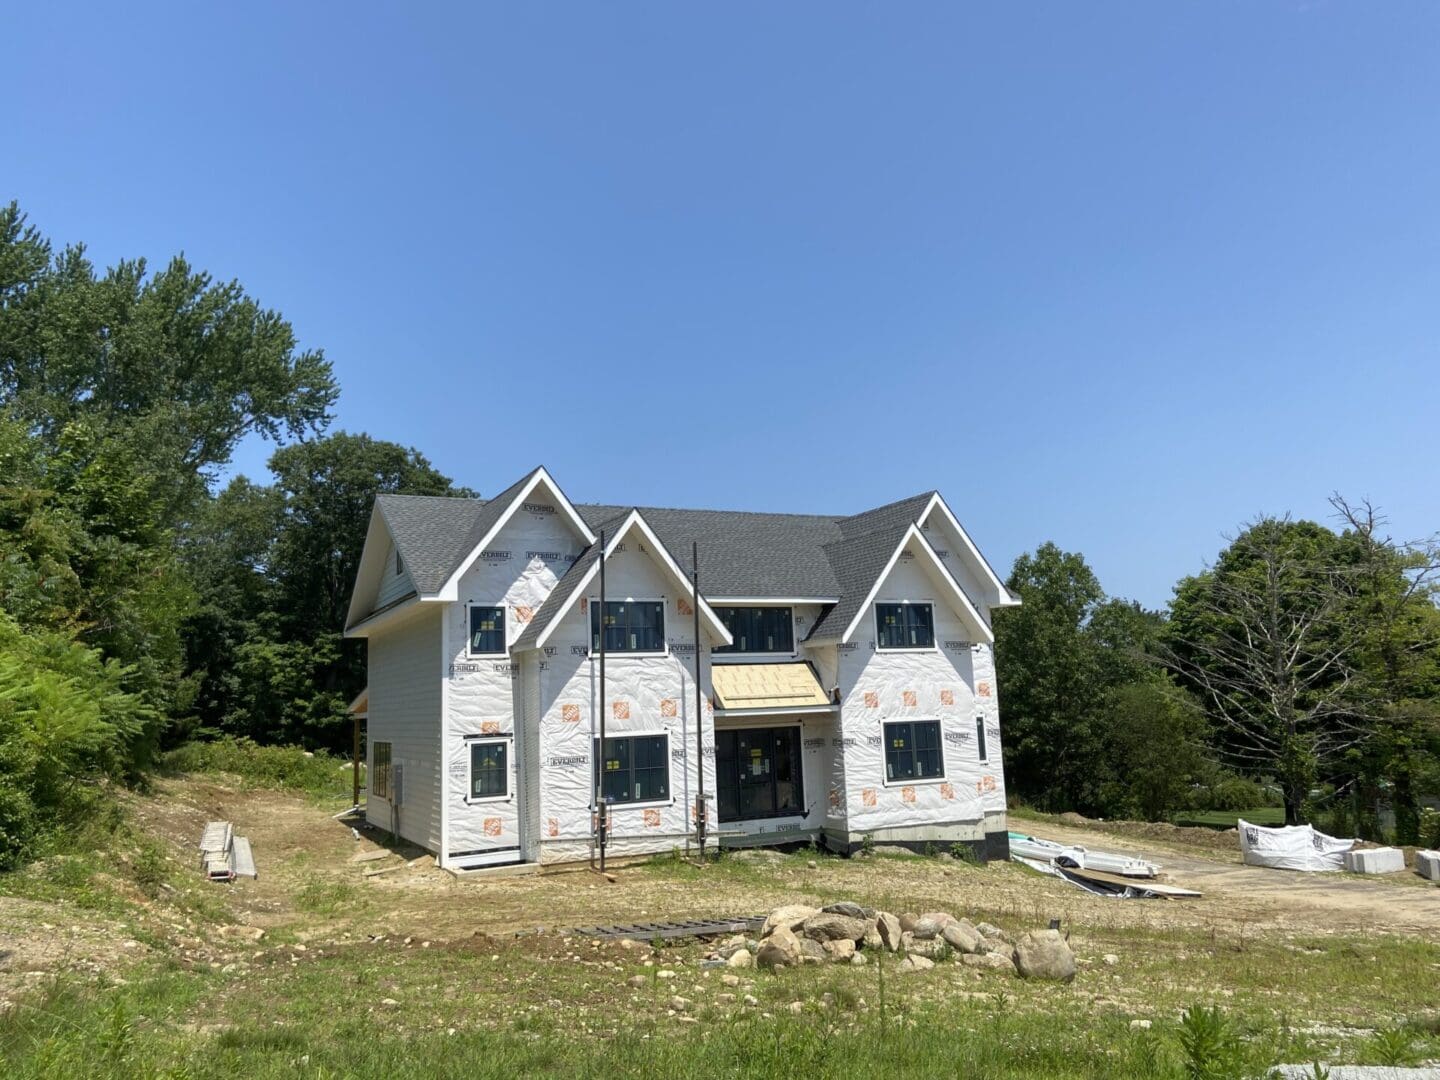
{"points": [[668, 931]]}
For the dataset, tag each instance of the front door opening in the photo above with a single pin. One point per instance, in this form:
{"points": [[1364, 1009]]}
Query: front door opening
{"points": [[759, 773]]}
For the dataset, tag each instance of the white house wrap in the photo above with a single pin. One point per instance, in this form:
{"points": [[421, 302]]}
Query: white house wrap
{"points": [[868, 707]]}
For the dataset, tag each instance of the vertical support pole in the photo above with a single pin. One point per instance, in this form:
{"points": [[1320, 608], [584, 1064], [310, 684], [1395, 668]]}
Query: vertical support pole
{"points": [[355, 758], [602, 815], [699, 711]]}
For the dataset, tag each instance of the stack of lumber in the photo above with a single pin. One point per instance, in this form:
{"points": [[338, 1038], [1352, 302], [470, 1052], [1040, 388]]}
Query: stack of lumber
{"points": [[223, 855]]}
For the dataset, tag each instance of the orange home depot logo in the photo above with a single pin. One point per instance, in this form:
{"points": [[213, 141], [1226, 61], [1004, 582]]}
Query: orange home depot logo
{"points": [[492, 826], [867, 797], [667, 706], [833, 798], [552, 827], [872, 700], [908, 697], [947, 791], [984, 784], [490, 727], [620, 710], [907, 794], [523, 613], [983, 689], [947, 697], [570, 713], [652, 819], [683, 606]]}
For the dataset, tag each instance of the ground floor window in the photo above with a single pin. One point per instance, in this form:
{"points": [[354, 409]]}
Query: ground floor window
{"points": [[912, 751], [380, 770], [490, 769], [759, 773], [633, 769]]}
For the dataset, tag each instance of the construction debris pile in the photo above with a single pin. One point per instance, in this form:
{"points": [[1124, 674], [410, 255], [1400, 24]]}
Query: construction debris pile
{"points": [[223, 855], [847, 933], [1100, 872]]}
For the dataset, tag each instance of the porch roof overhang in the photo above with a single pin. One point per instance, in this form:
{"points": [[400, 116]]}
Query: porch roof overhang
{"points": [[765, 689]]}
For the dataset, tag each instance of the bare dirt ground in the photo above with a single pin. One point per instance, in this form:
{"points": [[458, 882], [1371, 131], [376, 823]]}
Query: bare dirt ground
{"points": [[319, 887]]}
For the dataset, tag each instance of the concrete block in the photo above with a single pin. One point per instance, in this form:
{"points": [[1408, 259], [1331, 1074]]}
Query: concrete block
{"points": [[1427, 864], [1385, 860]]}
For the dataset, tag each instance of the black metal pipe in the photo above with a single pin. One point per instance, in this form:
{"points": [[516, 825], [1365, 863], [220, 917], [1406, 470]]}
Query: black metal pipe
{"points": [[699, 712]]}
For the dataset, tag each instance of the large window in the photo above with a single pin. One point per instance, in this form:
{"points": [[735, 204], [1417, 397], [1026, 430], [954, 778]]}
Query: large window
{"points": [[490, 769], [631, 626], [380, 770], [758, 773], [758, 629], [634, 769], [905, 626], [912, 751], [487, 630]]}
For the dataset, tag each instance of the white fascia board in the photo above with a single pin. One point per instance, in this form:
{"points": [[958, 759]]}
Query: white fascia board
{"points": [[634, 520], [788, 710], [368, 573], [962, 602], [451, 589], [772, 601], [1004, 599], [396, 612]]}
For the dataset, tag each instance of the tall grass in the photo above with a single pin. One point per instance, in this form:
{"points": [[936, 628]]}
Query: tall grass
{"points": [[287, 768]]}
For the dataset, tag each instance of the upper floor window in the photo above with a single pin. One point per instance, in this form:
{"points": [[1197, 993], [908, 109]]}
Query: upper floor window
{"points": [[487, 630], [631, 626], [905, 626], [758, 629]]}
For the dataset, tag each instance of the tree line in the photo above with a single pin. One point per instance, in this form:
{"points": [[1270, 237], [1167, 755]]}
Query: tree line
{"points": [[1305, 662], [143, 604]]}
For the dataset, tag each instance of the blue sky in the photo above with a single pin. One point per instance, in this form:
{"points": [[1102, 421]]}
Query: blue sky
{"points": [[1117, 275]]}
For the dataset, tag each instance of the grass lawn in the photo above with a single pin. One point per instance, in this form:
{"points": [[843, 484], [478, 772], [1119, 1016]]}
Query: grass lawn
{"points": [[1226, 819]]}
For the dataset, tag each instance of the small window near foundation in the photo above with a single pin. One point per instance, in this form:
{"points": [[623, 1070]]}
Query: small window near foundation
{"points": [[380, 770], [490, 769]]}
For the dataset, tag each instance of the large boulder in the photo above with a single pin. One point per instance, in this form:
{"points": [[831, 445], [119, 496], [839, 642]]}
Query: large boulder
{"points": [[1044, 954], [941, 919], [990, 930], [933, 948], [840, 950], [741, 958], [908, 919], [889, 928], [962, 937], [992, 961], [845, 907], [915, 963], [828, 927], [791, 916], [812, 951], [926, 928], [781, 948]]}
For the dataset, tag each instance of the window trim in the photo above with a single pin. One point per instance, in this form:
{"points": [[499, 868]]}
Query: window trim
{"points": [[982, 744], [504, 622], [726, 652], [379, 778], [471, 741], [934, 646], [655, 733], [885, 754], [611, 654]]}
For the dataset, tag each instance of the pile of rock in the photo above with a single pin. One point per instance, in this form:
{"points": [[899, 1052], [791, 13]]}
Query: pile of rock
{"points": [[848, 933]]}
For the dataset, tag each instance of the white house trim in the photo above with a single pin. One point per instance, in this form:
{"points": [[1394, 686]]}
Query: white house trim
{"points": [[634, 520], [1002, 594], [451, 589], [772, 601], [957, 594]]}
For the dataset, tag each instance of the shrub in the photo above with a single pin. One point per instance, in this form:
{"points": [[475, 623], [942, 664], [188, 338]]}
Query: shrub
{"points": [[283, 767]]}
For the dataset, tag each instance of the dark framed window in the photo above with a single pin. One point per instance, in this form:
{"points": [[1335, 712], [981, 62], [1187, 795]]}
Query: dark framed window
{"points": [[759, 773], [980, 746], [487, 630], [380, 770], [912, 751], [634, 768], [905, 626], [630, 626], [490, 769], [758, 629]]}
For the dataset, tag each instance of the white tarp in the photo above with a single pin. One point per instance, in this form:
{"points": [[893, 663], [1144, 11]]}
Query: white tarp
{"points": [[1291, 847]]}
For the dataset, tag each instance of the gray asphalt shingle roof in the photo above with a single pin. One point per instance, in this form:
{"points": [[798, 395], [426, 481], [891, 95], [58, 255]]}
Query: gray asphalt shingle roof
{"points": [[742, 554]]}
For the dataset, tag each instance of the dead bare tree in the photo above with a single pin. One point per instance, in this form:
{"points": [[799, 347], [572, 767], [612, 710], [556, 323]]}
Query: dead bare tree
{"points": [[1269, 640]]}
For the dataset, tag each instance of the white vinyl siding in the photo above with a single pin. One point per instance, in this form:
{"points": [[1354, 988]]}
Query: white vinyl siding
{"points": [[405, 679], [393, 586]]}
